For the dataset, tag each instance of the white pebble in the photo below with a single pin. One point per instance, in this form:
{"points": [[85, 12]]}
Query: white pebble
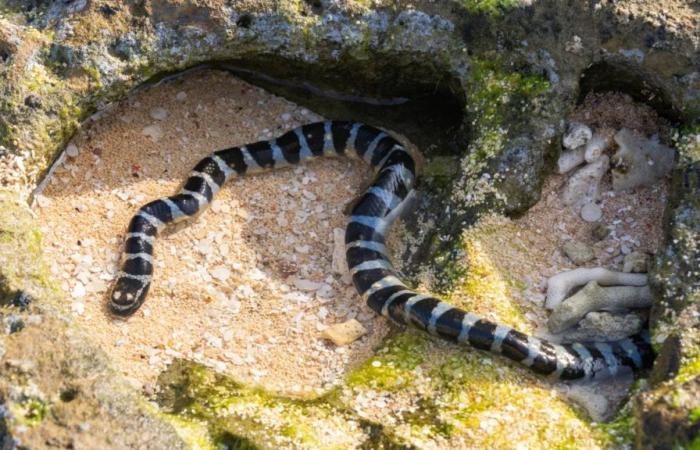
{"points": [[72, 150], [181, 96], [78, 290], [221, 273], [591, 212], [307, 285], [78, 308]]}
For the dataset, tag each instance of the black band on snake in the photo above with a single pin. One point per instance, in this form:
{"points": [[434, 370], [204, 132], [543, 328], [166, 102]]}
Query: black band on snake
{"points": [[373, 275]]}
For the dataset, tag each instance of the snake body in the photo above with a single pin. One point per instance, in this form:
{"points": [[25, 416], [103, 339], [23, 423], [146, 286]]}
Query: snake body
{"points": [[372, 273]]}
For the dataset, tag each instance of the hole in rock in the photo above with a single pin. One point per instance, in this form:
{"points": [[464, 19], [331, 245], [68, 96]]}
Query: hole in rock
{"points": [[247, 287], [559, 233]]}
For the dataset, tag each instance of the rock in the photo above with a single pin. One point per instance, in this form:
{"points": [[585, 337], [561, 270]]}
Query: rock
{"points": [[664, 416], [639, 161], [662, 413], [339, 263], [595, 148], [13, 324], [593, 297], [153, 131], [570, 159], [559, 286], [590, 212], [604, 326], [600, 232], [595, 404], [221, 273], [345, 333], [584, 185], [307, 285], [578, 252], [577, 135], [602, 399], [575, 45], [72, 150], [636, 262]]}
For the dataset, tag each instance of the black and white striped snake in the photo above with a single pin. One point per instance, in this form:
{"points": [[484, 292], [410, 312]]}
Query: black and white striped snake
{"points": [[373, 275]]}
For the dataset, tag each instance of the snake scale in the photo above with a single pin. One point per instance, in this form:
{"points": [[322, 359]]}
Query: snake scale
{"points": [[372, 273]]}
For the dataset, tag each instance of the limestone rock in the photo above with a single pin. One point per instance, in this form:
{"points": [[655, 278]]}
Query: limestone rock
{"points": [[595, 148], [559, 286], [345, 333], [604, 326], [590, 212], [584, 185], [570, 159], [577, 135], [593, 297], [636, 262], [639, 161], [578, 252]]}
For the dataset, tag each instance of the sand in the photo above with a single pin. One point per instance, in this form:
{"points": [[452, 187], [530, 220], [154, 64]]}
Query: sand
{"points": [[231, 289]]}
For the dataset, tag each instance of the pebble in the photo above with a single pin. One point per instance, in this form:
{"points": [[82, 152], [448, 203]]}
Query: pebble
{"points": [[636, 262], [221, 273], [307, 285], [570, 159], [577, 135], [72, 150], [159, 113], [578, 252], [596, 147], [339, 263], [78, 290], [153, 131], [181, 96], [584, 185], [78, 308], [600, 232], [591, 212]]}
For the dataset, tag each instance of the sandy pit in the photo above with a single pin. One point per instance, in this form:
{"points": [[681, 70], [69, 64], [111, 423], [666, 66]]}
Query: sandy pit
{"points": [[226, 289]]}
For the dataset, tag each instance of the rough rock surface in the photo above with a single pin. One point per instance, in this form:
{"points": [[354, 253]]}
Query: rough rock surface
{"points": [[593, 297], [604, 327], [60, 62]]}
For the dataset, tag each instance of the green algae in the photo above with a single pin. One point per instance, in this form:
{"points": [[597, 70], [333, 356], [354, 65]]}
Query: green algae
{"points": [[391, 368], [195, 433], [251, 417], [489, 7], [499, 100], [22, 266]]}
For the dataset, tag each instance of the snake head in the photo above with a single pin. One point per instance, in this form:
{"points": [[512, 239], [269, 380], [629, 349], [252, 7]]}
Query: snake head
{"points": [[128, 294]]}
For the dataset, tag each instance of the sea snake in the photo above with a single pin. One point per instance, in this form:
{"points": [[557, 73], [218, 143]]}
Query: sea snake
{"points": [[375, 279]]}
